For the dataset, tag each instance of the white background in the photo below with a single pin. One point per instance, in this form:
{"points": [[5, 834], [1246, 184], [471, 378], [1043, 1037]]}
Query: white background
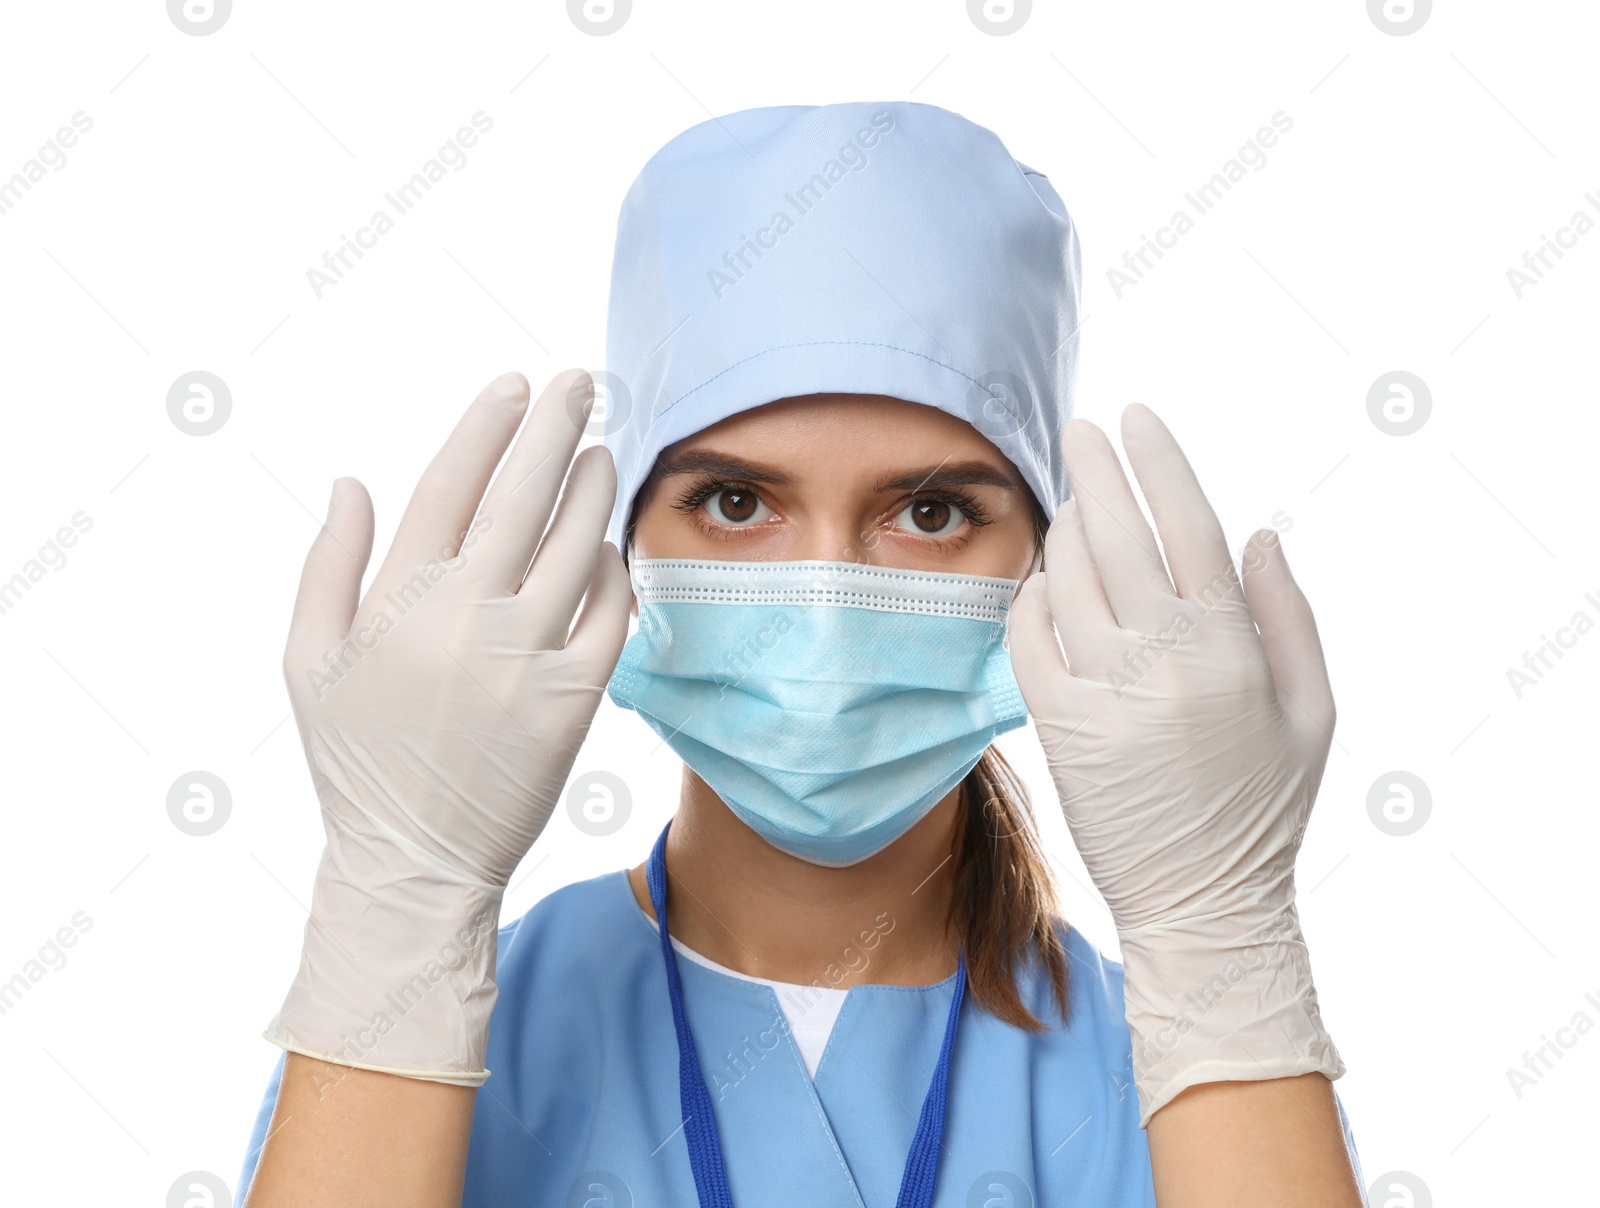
{"points": [[1378, 236]]}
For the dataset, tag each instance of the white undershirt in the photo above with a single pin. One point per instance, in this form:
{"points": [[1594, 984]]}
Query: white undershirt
{"points": [[810, 1010]]}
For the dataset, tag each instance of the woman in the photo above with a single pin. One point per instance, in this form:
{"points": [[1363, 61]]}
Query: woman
{"points": [[837, 455]]}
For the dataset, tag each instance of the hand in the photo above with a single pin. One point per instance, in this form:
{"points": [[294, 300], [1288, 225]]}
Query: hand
{"points": [[1187, 748], [440, 718]]}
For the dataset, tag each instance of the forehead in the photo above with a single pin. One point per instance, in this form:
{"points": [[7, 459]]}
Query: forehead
{"points": [[846, 432]]}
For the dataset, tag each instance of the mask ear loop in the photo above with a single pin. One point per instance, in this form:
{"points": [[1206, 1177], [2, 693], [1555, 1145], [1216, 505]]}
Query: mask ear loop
{"points": [[628, 559], [1038, 554]]}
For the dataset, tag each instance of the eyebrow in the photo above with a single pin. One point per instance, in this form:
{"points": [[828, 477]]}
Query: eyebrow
{"points": [[719, 465], [949, 474], [944, 475]]}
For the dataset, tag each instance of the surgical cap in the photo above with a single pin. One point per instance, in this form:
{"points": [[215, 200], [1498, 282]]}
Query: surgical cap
{"points": [[891, 248]]}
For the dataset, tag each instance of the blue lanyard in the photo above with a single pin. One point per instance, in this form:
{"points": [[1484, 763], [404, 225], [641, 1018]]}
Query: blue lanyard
{"points": [[700, 1123]]}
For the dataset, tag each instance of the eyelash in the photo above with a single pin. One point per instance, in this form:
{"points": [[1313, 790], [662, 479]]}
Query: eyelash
{"points": [[696, 494], [693, 499]]}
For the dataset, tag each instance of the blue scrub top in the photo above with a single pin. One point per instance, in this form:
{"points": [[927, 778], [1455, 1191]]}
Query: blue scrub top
{"points": [[582, 1105]]}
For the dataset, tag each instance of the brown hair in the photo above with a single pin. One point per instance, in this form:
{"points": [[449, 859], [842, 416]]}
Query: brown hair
{"points": [[1003, 903]]}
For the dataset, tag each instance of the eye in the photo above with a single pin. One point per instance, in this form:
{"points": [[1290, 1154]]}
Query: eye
{"points": [[931, 517], [735, 506]]}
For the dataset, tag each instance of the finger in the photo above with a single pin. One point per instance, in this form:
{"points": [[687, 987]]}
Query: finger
{"points": [[602, 627], [523, 493], [1120, 541], [1060, 703], [1083, 618], [1289, 636], [447, 495], [565, 563], [1196, 549], [330, 581]]}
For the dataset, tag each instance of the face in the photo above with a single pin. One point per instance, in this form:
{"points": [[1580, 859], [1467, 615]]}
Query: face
{"points": [[842, 477]]}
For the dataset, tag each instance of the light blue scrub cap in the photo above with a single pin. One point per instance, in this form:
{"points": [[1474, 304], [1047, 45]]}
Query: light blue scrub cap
{"points": [[890, 248]]}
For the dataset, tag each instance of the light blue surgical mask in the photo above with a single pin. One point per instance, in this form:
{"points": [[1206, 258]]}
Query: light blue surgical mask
{"points": [[831, 705]]}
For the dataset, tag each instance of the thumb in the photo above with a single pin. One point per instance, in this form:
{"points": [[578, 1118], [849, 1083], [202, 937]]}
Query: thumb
{"points": [[1036, 657], [1289, 636]]}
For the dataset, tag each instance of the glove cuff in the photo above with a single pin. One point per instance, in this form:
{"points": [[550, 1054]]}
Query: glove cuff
{"points": [[397, 970], [1221, 1000]]}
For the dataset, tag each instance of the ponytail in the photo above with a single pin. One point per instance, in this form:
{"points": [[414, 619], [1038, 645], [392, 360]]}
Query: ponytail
{"points": [[1003, 904]]}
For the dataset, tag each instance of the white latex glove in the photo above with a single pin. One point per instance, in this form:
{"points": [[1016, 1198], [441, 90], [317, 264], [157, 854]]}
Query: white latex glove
{"points": [[440, 719], [1187, 749]]}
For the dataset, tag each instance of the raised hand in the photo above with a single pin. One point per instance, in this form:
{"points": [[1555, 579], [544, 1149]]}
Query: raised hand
{"points": [[1186, 716], [440, 715]]}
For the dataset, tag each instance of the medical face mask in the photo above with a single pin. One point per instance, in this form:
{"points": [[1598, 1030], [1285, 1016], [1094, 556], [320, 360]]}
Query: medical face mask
{"points": [[829, 704]]}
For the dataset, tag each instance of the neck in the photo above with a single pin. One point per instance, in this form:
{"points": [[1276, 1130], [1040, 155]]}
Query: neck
{"points": [[733, 897]]}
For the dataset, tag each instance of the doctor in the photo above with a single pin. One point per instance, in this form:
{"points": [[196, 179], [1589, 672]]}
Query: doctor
{"points": [[863, 539]]}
